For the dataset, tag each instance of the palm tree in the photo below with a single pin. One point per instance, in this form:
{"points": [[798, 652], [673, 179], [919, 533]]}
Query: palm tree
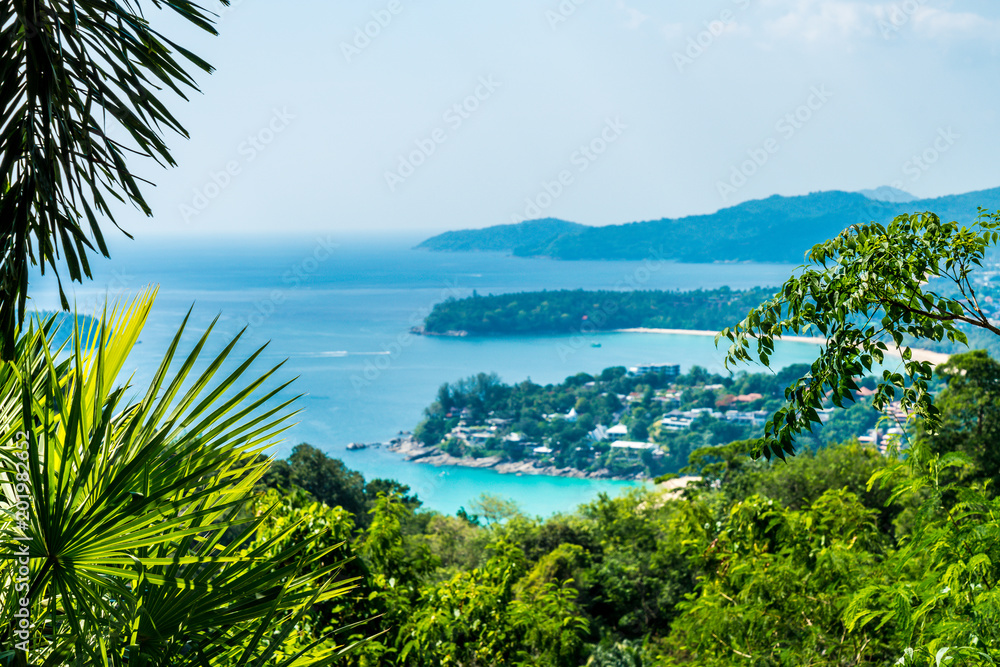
{"points": [[73, 75], [128, 527], [137, 524]]}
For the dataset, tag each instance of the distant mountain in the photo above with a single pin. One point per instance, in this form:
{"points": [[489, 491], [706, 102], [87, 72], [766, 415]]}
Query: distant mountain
{"points": [[888, 193], [504, 238], [776, 229]]}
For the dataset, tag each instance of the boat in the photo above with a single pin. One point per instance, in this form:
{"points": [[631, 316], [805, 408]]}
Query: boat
{"points": [[354, 446], [595, 345]]}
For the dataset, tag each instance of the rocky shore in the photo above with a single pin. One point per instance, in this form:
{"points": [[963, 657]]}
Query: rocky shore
{"points": [[415, 451]]}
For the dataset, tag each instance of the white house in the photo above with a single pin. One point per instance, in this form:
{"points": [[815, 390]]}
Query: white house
{"points": [[617, 430]]}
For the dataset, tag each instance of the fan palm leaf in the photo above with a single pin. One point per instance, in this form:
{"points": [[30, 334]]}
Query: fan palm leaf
{"points": [[133, 505]]}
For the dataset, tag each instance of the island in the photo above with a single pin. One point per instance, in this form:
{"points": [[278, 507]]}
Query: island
{"points": [[775, 229], [576, 311], [623, 423]]}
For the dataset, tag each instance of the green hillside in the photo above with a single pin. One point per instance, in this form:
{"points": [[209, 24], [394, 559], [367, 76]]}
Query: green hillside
{"points": [[504, 238], [776, 229]]}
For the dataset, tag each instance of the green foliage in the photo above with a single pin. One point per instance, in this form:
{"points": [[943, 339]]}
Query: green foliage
{"points": [[865, 291], [841, 556], [137, 510], [330, 482], [567, 311], [970, 412], [475, 619], [75, 75], [781, 581], [938, 592], [326, 479]]}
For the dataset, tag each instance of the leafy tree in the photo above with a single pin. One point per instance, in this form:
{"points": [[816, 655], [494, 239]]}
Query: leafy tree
{"points": [[378, 486], [81, 86], [475, 618], [326, 479], [937, 594], [781, 583], [494, 509], [970, 412], [866, 290]]}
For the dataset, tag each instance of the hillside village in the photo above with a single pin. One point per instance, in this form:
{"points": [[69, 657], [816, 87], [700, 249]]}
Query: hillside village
{"points": [[635, 423]]}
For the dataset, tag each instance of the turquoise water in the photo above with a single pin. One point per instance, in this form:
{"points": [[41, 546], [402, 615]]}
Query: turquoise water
{"points": [[340, 313]]}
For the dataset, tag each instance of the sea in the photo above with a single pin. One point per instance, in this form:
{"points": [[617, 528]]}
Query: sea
{"points": [[337, 312]]}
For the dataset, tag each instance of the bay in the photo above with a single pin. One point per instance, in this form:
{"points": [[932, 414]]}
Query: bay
{"points": [[339, 311]]}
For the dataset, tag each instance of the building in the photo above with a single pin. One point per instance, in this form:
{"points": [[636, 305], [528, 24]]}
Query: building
{"points": [[667, 370], [630, 447], [617, 430], [676, 423]]}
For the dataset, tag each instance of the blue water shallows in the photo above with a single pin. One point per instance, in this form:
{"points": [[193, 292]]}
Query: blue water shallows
{"points": [[340, 314]]}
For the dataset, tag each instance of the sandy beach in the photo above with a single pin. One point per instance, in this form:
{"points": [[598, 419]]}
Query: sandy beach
{"points": [[919, 354]]}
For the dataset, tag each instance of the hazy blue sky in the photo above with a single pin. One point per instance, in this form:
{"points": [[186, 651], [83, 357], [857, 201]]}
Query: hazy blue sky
{"points": [[318, 123]]}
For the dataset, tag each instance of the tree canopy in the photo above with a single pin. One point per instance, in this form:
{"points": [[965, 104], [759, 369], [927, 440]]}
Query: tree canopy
{"points": [[866, 290]]}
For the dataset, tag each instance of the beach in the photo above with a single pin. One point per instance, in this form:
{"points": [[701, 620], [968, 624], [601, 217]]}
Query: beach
{"points": [[918, 354]]}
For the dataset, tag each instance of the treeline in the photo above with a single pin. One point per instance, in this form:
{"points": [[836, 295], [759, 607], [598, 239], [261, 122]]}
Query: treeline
{"points": [[575, 311], [842, 556]]}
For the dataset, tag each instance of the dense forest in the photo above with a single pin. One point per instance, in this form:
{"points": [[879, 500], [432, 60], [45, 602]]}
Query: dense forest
{"points": [[841, 556], [776, 229], [576, 311]]}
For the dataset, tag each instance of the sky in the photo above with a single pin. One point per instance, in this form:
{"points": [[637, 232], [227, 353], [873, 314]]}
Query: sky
{"points": [[410, 117]]}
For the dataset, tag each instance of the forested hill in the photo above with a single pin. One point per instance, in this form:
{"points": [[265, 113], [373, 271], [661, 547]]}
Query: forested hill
{"points": [[567, 311], [504, 238], [776, 229]]}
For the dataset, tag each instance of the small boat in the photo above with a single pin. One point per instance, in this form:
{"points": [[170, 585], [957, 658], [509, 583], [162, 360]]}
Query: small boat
{"points": [[354, 446], [595, 345]]}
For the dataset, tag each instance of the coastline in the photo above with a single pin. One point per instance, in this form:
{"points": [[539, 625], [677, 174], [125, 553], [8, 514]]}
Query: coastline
{"points": [[415, 452], [919, 354]]}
